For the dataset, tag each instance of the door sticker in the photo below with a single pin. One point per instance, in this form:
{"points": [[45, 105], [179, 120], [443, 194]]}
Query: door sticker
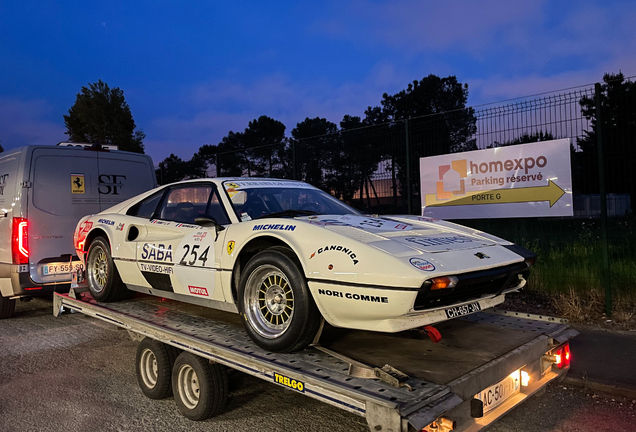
{"points": [[77, 184], [195, 263]]}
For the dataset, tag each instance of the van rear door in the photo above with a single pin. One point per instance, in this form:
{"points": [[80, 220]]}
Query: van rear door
{"points": [[123, 176], [64, 188]]}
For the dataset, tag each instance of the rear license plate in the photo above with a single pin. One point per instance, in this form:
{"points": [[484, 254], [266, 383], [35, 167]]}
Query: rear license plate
{"points": [[466, 309], [497, 394], [59, 268]]}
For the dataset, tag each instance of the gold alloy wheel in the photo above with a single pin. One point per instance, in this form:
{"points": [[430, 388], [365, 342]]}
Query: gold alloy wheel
{"points": [[97, 268], [269, 301]]}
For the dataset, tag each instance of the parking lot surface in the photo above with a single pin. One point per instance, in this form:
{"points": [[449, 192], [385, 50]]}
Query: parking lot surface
{"points": [[77, 373]]}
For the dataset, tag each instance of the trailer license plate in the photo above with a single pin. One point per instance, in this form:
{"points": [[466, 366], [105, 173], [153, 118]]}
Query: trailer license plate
{"points": [[497, 394], [466, 309], [59, 268]]}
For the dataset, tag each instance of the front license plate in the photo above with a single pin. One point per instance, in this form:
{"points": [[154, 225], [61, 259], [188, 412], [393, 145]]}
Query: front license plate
{"points": [[59, 268], [457, 311], [497, 394]]}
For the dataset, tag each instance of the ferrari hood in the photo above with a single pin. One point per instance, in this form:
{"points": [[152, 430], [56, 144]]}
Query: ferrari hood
{"points": [[403, 235]]}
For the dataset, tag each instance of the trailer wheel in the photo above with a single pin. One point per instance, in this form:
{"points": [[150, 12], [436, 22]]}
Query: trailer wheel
{"points": [[200, 388], [103, 278], [7, 307], [154, 362], [278, 310]]}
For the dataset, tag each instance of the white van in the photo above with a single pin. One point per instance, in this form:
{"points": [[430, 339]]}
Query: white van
{"points": [[44, 191]]}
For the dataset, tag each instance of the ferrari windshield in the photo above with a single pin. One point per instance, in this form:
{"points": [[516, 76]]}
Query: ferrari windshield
{"points": [[254, 199]]}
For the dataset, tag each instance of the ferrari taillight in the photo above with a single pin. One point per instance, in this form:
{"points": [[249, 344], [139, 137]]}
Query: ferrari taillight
{"points": [[20, 241]]}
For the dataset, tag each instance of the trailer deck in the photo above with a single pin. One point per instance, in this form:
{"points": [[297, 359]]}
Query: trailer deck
{"points": [[476, 352]]}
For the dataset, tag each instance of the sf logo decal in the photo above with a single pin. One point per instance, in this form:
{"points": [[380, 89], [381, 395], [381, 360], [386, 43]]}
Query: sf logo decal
{"points": [[230, 247]]}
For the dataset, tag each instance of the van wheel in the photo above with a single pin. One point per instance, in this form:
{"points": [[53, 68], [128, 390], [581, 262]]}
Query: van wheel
{"points": [[279, 312], [154, 363], [7, 306], [200, 388], [103, 278]]}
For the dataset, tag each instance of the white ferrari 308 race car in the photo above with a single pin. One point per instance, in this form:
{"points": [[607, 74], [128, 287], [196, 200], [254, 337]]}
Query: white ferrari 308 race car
{"points": [[285, 254]]}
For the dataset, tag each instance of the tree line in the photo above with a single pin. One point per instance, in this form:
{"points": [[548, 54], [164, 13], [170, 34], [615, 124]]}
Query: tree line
{"points": [[430, 115]]}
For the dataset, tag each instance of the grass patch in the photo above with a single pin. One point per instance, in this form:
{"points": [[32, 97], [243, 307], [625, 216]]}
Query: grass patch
{"points": [[571, 255]]}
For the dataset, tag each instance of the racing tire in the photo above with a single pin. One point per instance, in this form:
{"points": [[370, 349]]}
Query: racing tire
{"points": [[153, 364], [279, 312], [102, 276], [200, 388], [7, 307]]}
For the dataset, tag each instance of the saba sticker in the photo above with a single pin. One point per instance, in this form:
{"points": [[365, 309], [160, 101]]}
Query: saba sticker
{"points": [[422, 264]]}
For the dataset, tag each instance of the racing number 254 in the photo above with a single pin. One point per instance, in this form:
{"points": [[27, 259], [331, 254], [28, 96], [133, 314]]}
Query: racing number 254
{"points": [[191, 251]]}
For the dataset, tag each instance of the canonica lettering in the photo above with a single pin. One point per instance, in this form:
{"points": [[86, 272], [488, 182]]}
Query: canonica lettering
{"points": [[157, 252], [337, 248], [354, 296]]}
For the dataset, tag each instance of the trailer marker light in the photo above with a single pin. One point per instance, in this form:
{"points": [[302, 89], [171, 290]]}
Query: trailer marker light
{"points": [[443, 282], [562, 356], [525, 379]]}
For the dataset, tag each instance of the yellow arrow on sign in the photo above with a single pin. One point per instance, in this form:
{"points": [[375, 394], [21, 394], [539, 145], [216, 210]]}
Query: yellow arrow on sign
{"points": [[552, 193]]}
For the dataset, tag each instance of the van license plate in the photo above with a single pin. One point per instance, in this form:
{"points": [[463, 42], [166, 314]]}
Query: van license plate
{"points": [[59, 268], [466, 309], [497, 394]]}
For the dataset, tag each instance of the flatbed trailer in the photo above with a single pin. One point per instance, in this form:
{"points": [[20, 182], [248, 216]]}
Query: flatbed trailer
{"points": [[486, 364]]}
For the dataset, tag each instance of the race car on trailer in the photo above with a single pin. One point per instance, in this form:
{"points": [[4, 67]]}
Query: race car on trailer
{"points": [[285, 254]]}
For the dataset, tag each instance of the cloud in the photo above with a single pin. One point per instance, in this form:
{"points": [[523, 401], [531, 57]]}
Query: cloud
{"points": [[414, 24], [277, 96], [26, 122]]}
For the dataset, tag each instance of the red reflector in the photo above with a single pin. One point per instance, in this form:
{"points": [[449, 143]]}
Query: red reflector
{"points": [[32, 288], [563, 356], [20, 241]]}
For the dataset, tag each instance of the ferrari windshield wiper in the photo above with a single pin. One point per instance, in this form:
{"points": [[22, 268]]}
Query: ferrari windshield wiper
{"points": [[288, 213]]}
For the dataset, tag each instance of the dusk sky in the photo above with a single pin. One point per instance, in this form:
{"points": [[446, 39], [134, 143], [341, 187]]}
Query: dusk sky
{"points": [[191, 71]]}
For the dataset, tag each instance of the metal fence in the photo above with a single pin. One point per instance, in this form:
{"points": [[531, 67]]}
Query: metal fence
{"points": [[376, 169]]}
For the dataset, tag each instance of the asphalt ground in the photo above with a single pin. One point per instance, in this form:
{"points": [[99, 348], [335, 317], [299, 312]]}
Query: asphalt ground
{"points": [[75, 373]]}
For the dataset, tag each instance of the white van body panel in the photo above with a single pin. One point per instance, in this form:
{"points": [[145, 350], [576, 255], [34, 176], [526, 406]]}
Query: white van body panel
{"points": [[53, 187]]}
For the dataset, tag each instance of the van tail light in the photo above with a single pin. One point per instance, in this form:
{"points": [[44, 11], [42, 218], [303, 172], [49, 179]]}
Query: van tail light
{"points": [[562, 356], [20, 241]]}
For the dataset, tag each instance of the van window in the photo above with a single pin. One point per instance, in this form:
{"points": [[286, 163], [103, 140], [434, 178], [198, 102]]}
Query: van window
{"points": [[147, 207]]}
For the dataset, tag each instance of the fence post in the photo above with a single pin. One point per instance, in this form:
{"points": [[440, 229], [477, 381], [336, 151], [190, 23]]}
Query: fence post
{"points": [[601, 180], [293, 145], [408, 167]]}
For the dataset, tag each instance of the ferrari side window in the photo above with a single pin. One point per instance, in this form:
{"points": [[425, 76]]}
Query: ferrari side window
{"points": [[216, 211], [147, 207], [185, 204]]}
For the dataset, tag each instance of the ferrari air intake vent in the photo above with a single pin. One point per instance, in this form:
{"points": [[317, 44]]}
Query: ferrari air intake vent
{"points": [[470, 286]]}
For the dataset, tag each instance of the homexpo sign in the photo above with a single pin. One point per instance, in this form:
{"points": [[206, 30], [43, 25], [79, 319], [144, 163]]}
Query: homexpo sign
{"points": [[526, 180]]}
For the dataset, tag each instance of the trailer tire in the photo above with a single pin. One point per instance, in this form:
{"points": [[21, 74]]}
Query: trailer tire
{"points": [[7, 307], [200, 388], [102, 276], [153, 363], [279, 312]]}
